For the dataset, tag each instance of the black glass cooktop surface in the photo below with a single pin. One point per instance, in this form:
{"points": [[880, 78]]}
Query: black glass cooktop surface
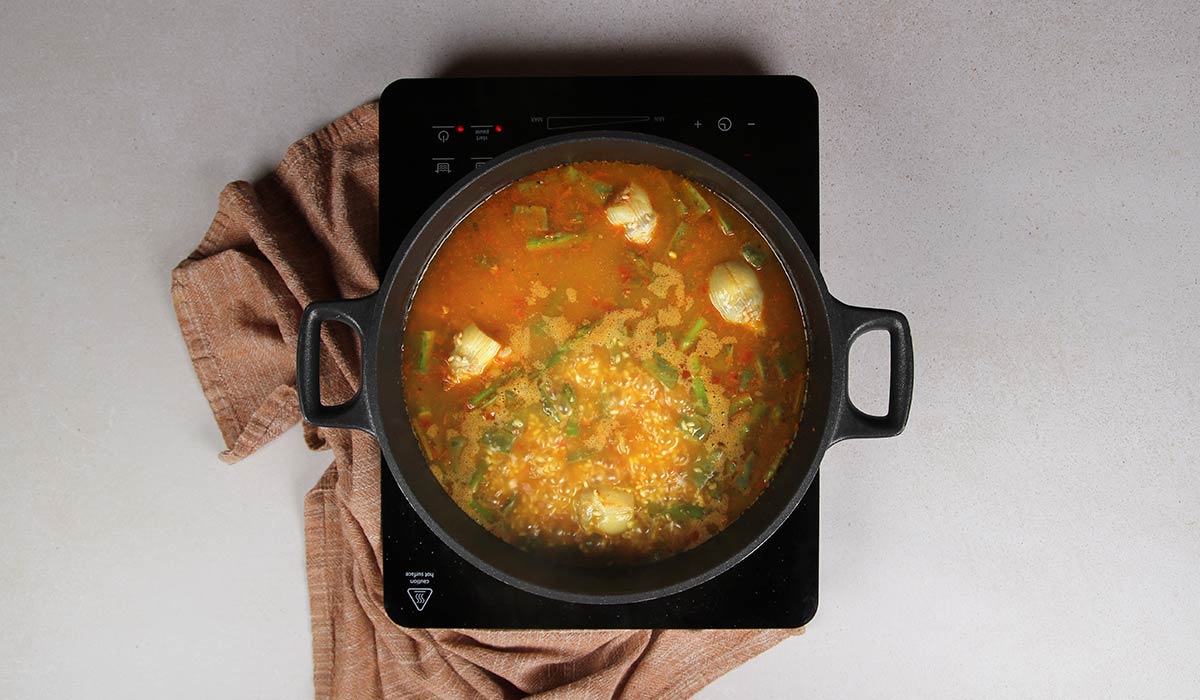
{"points": [[434, 131]]}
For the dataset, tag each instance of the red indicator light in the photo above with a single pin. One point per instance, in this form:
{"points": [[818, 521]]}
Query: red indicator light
{"points": [[460, 128], [499, 128]]}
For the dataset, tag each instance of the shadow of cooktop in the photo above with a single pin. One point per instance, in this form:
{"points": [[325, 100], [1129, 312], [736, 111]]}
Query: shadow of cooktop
{"points": [[487, 62]]}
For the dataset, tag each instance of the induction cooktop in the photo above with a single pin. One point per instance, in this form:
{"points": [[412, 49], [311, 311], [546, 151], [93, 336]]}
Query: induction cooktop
{"points": [[435, 131]]}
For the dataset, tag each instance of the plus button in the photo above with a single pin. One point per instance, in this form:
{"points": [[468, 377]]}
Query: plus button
{"points": [[697, 124]]}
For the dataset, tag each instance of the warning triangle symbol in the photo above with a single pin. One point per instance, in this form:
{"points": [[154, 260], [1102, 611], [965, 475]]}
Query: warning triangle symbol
{"points": [[420, 596]]}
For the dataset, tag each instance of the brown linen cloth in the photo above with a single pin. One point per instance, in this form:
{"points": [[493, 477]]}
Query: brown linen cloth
{"points": [[308, 232]]}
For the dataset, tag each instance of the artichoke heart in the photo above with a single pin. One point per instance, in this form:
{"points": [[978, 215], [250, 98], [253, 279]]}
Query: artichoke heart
{"points": [[631, 210], [734, 291], [473, 350], [605, 510]]}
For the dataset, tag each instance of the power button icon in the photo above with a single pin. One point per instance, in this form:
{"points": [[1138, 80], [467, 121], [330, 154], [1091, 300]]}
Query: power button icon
{"points": [[724, 123]]}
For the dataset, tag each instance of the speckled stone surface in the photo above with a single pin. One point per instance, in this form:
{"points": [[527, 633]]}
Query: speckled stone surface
{"points": [[1022, 182]]}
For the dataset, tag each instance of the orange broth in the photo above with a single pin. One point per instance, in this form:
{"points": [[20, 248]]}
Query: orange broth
{"points": [[624, 419]]}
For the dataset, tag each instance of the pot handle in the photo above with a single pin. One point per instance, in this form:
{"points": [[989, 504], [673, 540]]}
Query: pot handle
{"points": [[851, 422], [356, 412]]}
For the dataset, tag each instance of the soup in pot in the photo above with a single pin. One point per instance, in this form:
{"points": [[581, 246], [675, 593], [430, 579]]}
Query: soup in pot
{"points": [[605, 361]]}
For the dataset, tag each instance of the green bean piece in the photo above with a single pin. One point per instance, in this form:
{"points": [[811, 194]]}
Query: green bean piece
{"points": [[692, 334], [572, 428], [706, 467], [455, 446], [501, 438], [556, 404], [602, 190], [663, 371], [643, 266], [696, 426], [784, 366], [682, 512], [744, 382], [760, 367], [553, 241], [562, 350], [754, 255], [425, 352], [579, 455], [699, 392], [481, 468], [489, 392], [756, 414], [680, 232], [498, 439], [488, 515], [549, 407], [509, 505], [742, 481], [774, 467], [696, 198], [740, 404], [700, 396], [725, 227]]}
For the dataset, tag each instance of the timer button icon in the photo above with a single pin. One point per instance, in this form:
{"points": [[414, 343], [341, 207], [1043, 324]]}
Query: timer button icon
{"points": [[724, 123]]}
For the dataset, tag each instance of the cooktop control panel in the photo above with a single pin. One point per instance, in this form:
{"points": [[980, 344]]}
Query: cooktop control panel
{"points": [[456, 147], [434, 132]]}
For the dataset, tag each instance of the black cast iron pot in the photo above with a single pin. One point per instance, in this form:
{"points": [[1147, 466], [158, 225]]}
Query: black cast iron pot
{"points": [[378, 407]]}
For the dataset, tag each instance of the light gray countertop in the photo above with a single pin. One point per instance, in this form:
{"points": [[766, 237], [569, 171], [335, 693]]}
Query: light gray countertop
{"points": [[1023, 183]]}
